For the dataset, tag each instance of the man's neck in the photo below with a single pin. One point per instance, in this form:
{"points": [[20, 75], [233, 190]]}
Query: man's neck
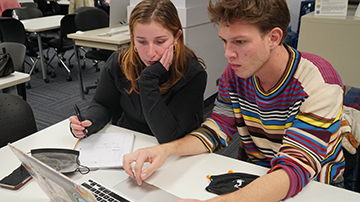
{"points": [[275, 67]]}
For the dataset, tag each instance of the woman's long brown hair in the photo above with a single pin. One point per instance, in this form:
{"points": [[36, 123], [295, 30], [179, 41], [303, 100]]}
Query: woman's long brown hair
{"points": [[164, 13]]}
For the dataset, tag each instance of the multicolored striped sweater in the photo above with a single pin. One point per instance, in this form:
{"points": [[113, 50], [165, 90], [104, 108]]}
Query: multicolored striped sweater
{"points": [[293, 126]]}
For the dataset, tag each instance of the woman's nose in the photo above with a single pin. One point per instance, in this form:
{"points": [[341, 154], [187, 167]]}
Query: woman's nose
{"points": [[151, 51]]}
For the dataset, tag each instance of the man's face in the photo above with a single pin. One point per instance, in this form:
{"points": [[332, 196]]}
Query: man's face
{"points": [[245, 48]]}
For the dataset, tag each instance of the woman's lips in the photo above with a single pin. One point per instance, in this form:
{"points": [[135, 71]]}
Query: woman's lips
{"points": [[151, 62]]}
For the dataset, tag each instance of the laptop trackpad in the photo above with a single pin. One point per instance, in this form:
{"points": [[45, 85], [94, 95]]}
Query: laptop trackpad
{"points": [[145, 192]]}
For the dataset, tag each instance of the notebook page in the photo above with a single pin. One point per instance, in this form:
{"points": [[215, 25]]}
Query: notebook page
{"points": [[105, 150]]}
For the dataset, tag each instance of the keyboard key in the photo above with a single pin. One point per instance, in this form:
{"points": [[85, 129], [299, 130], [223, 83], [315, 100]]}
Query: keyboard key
{"points": [[101, 193], [112, 194], [86, 185]]}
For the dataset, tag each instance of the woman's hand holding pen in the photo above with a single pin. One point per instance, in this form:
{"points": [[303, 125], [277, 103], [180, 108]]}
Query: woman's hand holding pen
{"points": [[77, 127]]}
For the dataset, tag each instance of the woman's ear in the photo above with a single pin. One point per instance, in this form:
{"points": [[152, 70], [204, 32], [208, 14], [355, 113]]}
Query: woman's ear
{"points": [[178, 34]]}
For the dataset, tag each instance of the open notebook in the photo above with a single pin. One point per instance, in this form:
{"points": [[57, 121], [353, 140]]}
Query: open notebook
{"points": [[59, 187], [104, 150]]}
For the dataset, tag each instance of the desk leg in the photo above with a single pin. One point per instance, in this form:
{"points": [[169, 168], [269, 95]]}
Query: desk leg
{"points": [[42, 58], [79, 71]]}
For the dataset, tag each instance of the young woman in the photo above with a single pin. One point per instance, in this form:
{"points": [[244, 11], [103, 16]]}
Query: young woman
{"points": [[156, 86]]}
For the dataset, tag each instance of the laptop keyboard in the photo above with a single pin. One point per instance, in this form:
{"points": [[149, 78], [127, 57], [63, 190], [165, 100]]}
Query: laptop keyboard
{"points": [[101, 193]]}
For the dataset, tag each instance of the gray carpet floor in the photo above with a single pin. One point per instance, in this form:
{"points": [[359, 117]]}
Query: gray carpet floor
{"points": [[53, 102]]}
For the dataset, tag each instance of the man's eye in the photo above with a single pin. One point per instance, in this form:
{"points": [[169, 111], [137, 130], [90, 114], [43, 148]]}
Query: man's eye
{"points": [[240, 42]]}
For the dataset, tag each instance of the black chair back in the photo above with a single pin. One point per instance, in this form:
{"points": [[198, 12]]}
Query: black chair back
{"points": [[7, 13], [12, 30], [17, 119], [29, 4], [91, 19], [28, 13], [85, 8], [44, 7], [55, 7], [68, 25]]}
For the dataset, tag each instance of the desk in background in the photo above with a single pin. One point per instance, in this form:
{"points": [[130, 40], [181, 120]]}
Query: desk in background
{"points": [[37, 25], [110, 38], [14, 79], [63, 2], [189, 180], [337, 39]]}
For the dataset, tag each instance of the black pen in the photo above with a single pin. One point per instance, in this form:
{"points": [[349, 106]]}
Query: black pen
{"points": [[78, 114], [77, 111]]}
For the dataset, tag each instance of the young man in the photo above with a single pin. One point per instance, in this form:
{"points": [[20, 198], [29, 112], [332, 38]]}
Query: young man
{"points": [[285, 105]]}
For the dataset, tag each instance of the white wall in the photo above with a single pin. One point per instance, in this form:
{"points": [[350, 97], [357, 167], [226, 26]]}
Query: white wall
{"points": [[118, 11], [294, 7]]}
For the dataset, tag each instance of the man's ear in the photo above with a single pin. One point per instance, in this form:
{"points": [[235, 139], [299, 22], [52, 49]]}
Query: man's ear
{"points": [[178, 34], [275, 36]]}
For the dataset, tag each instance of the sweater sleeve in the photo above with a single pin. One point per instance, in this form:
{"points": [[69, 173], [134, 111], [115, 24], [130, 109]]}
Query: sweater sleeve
{"points": [[311, 148], [106, 99], [220, 126], [170, 120]]}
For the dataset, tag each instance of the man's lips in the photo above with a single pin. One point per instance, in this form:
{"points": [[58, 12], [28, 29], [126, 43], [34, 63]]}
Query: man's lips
{"points": [[235, 66]]}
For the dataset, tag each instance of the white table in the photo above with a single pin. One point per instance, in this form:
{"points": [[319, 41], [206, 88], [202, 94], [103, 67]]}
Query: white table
{"points": [[63, 2], [182, 176], [14, 79], [110, 38], [100, 38], [38, 25]]}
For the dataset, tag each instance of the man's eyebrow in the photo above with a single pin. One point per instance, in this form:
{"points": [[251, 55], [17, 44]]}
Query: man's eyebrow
{"points": [[240, 37]]}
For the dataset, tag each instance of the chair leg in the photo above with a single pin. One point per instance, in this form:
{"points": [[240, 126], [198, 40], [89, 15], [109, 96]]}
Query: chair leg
{"points": [[27, 84], [69, 61], [96, 65], [69, 78], [33, 66]]}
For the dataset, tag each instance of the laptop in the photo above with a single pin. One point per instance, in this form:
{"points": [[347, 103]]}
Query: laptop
{"points": [[59, 187]]}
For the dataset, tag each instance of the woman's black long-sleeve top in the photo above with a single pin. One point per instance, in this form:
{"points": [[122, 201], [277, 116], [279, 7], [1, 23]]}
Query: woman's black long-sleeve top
{"points": [[167, 117]]}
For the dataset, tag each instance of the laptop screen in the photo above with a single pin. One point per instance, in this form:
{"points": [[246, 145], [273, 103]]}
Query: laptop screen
{"points": [[57, 186]]}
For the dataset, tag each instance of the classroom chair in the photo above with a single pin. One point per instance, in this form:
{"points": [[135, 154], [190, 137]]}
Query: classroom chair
{"points": [[89, 20], [17, 119], [62, 43], [17, 53]]}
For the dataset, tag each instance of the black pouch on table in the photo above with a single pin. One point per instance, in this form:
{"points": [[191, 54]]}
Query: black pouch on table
{"points": [[229, 182], [62, 160], [6, 64]]}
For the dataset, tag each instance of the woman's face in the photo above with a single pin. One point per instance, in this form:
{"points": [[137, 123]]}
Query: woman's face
{"points": [[151, 40]]}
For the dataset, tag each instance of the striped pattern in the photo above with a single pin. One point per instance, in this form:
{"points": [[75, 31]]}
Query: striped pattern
{"points": [[293, 126]]}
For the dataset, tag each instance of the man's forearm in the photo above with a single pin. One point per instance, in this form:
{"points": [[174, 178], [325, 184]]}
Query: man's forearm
{"points": [[270, 187], [188, 145]]}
